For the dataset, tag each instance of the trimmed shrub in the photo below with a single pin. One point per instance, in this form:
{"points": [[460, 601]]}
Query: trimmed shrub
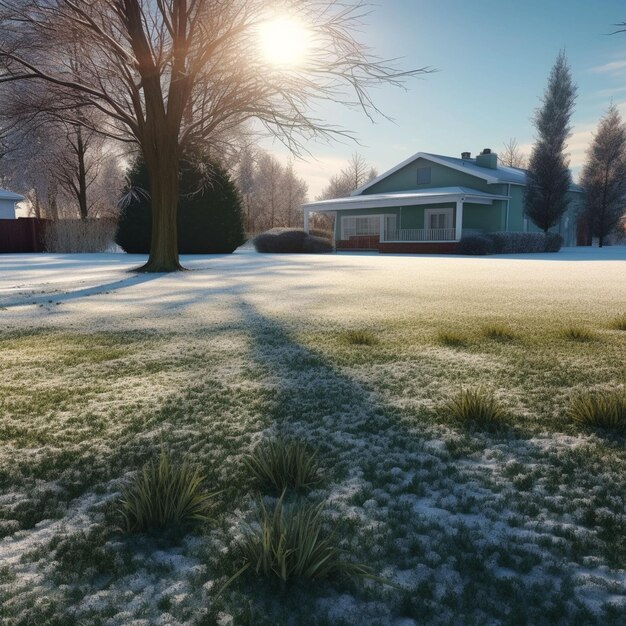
{"points": [[510, 243], [517, 243], [599, 410], [553, 242], [165, 496], [281, 464], [209, 219], [475, 406], [288, 543], [475, 245], [291, 240]]}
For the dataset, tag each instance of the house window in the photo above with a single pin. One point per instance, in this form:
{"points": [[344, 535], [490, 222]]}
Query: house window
{"points": [[437, 218], [360, 226], [423, 175]]}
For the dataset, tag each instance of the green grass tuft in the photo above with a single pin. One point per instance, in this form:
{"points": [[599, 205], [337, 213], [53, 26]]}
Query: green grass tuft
{"points": [[475, 406], [496, 332], [451, 338], [619, 323], [165, 496], [289, 544], [599, 409], [284, 464], [360, 338], [577, 333]]}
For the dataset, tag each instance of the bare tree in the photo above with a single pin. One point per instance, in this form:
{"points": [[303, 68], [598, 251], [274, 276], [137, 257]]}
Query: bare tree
{"points": [[272, 194], [604, 176], [512, 156], [58, 164], [167, 74], [294, 196], [356, 173]]}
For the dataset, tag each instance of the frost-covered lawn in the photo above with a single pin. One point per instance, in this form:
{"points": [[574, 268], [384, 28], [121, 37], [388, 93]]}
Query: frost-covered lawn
{"points": [[524, 524]]}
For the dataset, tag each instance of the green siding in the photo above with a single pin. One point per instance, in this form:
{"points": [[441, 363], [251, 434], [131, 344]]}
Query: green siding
{"points": [[484, 217], [405, 179], [413, 216], [516, 209]]}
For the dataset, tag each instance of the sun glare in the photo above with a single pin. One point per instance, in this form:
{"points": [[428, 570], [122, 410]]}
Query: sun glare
{"points": [[284, 41]]}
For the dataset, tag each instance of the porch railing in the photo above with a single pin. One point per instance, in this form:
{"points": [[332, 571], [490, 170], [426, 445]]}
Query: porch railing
{"points": [[419, 234]]}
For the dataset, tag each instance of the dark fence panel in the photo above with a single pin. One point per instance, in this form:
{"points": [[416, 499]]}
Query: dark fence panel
{"points": [[25, 234]]}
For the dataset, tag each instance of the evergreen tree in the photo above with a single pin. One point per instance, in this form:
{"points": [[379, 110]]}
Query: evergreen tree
{"points": [[604, 176], [209, 219], [549, 177]]}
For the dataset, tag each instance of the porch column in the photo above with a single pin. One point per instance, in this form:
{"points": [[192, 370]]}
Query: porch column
{"points": [[382, 228], [305, 213], [459, 220]]}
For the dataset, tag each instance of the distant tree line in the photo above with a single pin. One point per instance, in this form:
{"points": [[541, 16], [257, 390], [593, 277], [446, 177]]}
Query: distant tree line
{"points": [[272, 194]]}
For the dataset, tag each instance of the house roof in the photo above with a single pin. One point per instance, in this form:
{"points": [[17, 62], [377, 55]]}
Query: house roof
{"points": [[9, 195], [502, 174], [405, 198]]}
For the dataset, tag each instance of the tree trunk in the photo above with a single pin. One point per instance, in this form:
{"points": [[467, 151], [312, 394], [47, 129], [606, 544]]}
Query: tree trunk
{"points": [[163, 173], [82, 175]]}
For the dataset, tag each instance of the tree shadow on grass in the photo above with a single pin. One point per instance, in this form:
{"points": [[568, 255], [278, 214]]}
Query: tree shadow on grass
{"points": [[411, 506]]}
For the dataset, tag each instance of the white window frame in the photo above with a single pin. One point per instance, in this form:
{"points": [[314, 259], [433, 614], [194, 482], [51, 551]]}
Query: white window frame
{"points": [[373, 229], [448, 211]]}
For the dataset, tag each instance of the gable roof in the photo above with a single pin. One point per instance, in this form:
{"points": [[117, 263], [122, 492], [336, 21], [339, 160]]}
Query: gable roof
{"points": [[502, 174], [9, 195]]}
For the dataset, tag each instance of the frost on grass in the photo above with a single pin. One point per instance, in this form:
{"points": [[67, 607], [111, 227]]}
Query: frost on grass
{"points": [[521, 525]]}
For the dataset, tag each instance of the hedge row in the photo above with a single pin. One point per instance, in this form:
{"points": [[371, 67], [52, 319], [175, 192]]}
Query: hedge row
{"points": [[510, 243]]}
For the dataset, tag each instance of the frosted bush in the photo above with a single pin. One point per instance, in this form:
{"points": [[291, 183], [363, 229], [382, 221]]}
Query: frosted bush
{"points": [[69, 236]]}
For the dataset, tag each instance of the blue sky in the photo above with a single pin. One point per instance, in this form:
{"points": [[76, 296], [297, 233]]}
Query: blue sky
{"points": [[493, 59]]}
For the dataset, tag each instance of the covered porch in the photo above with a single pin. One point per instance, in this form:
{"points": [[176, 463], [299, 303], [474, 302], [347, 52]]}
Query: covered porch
{"points": [[433, 216]]}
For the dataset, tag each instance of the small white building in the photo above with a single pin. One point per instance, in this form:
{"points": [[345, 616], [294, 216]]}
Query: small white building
{"points": [[8, 200]]}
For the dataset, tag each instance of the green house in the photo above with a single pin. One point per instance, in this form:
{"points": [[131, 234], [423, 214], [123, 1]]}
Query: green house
{"points": [[428, 202]]}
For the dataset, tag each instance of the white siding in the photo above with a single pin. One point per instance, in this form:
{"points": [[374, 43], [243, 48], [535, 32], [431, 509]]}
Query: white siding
{"points": [[7, 209]]}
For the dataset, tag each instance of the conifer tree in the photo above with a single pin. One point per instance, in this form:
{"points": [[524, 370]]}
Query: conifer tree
{"points": [[549, 177], [604, 176], [209, 219]]}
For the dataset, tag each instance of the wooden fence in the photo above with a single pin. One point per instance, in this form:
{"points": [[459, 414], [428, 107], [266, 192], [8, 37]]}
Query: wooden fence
{"points": [[24, 234]]}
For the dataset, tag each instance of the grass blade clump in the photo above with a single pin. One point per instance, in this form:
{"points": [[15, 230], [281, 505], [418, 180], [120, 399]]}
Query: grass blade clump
{"points": [[360, 338], [475, 406], [496, 332], [619, 323], [165, 496], [599, 409], [284, 464], [577, 333], [288, 544], [451, 338]]}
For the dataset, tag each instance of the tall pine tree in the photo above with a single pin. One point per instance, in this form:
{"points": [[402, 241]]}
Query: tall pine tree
{"points": [[604, 176], [549, 177]]}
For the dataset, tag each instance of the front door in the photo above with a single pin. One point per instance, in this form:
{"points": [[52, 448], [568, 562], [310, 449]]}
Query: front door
{"points": [[439, 224]]}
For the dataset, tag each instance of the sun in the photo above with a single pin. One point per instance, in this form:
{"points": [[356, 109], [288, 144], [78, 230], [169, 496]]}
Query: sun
{"points": [[284, 41]]}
